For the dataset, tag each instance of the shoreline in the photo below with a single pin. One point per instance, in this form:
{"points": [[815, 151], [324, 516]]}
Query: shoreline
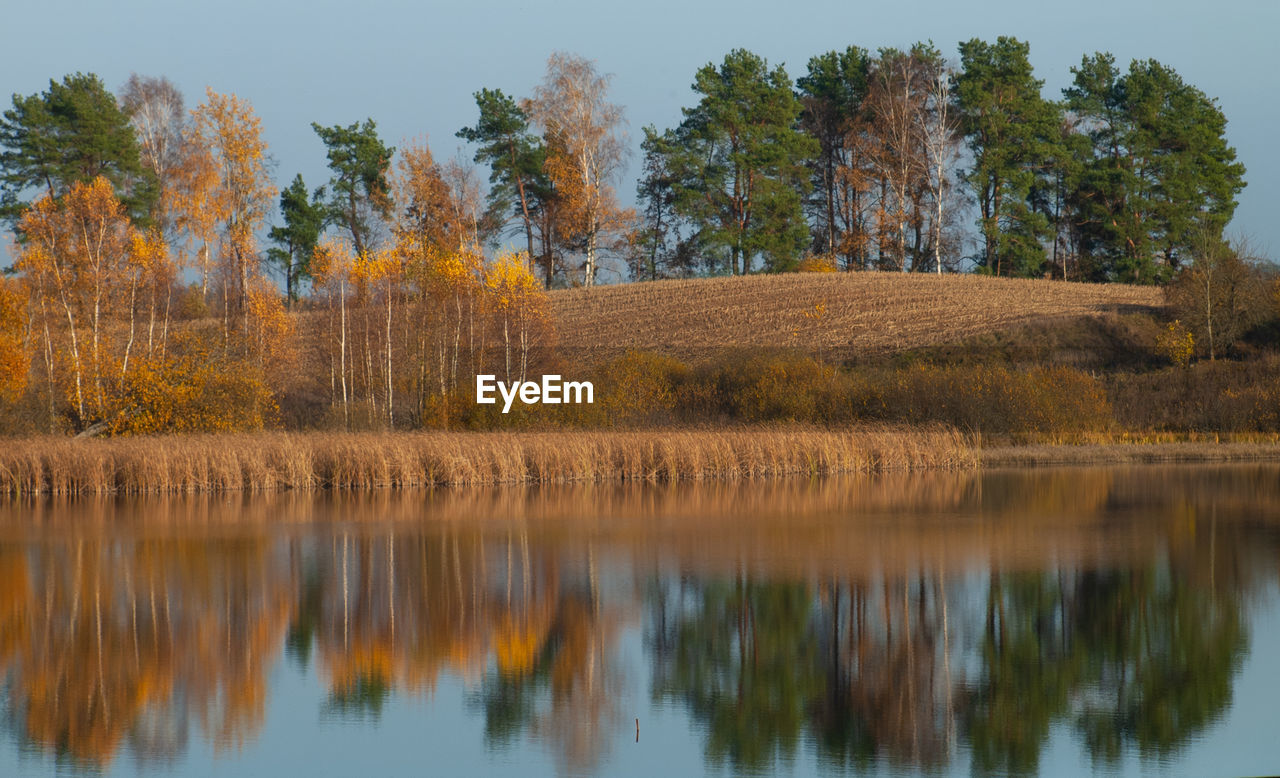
{"points": [[313, 461], [1035, 455]]}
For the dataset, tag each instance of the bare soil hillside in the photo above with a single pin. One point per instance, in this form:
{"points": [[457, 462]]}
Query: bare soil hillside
{"points": [[838, 315]]}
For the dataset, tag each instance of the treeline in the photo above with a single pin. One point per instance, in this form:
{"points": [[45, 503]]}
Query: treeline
{"points": [[867, 161], [101, 335], [870, 160]]}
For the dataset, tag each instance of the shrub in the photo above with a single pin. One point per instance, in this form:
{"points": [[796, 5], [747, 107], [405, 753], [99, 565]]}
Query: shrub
{"points": [[639, 387], [817, 263], [193, 393], [1222, 396], [778, 386], [1176, 344], [994, 398]]}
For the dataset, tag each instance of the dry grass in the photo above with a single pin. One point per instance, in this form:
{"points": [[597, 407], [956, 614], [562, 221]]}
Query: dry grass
{"points": [[837, 315], [269, 462]]}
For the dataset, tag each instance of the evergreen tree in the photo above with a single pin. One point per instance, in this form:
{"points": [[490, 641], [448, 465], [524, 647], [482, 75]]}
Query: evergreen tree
{"points": [[516, 157], [359, 190], [296, 239], [1157, 170], [1013, 133], [832, 93], [72, 132], [740, 165]]}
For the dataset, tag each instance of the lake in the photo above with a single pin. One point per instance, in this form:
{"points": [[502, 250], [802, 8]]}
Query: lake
{"points": [[1054, 621]]}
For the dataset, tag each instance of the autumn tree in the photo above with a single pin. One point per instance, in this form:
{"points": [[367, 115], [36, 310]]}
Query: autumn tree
{"points": [[75, 256], [440, 221], [583, 135], [521, 309], [359, 194], [227, 128], [15, 360], [151, 273], [899, 85], [467, 199], [1221, 294], [155, 110], [72, 132], [331, 271], [425, 207], [197, 205], [832, 93], [940, 134]]}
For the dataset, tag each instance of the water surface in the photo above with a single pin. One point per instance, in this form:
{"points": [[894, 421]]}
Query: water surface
{"points": [[1055, 621]]}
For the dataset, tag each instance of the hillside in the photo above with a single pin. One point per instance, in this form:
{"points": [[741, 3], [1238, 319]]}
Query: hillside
{"points": [[838, 315]]}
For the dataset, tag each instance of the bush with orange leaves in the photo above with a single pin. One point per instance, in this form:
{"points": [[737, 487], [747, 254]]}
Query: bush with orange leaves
{"points": [[194, 391]]}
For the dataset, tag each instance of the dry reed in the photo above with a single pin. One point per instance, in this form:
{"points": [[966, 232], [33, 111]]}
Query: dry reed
{"points": [[277, 461]]}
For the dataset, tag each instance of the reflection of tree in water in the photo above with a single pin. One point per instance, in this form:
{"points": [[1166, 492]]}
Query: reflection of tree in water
{"points": [[105, 644], [887, 677], [564, 685], [743, 657], [760, 664], [108, 644], [868, 670], [99, 639], [1134, 658], [1161, 654]]}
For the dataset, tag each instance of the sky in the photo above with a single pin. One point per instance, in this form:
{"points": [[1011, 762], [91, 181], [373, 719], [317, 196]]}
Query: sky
{"points": [[413, 67]]}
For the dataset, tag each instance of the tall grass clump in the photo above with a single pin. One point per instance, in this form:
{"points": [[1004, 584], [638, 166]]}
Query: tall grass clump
{"points": [[277, 461]]}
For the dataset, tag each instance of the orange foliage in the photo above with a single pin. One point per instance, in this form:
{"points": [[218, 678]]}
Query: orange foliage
{"points": [[228, 129], [428, 214], [196, 201], [194, 392], [14, 359], [76, 257]]}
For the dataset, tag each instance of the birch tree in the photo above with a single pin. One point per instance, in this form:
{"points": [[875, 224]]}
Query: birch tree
{"points": [[228, 128], [585, 142], [940, 132], [155, 109]]}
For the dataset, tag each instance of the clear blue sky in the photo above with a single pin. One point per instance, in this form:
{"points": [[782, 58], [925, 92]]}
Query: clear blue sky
{"points": [[413, 67]]}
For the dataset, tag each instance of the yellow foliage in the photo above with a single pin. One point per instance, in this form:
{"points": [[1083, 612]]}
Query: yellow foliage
{"points": [[14, 360], [269, 323], [513, 284], [230, 133], [194, 393], [331, 261], [516, 643], [818, 263], [76, 258], [148, 251], [1176, 344]]}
